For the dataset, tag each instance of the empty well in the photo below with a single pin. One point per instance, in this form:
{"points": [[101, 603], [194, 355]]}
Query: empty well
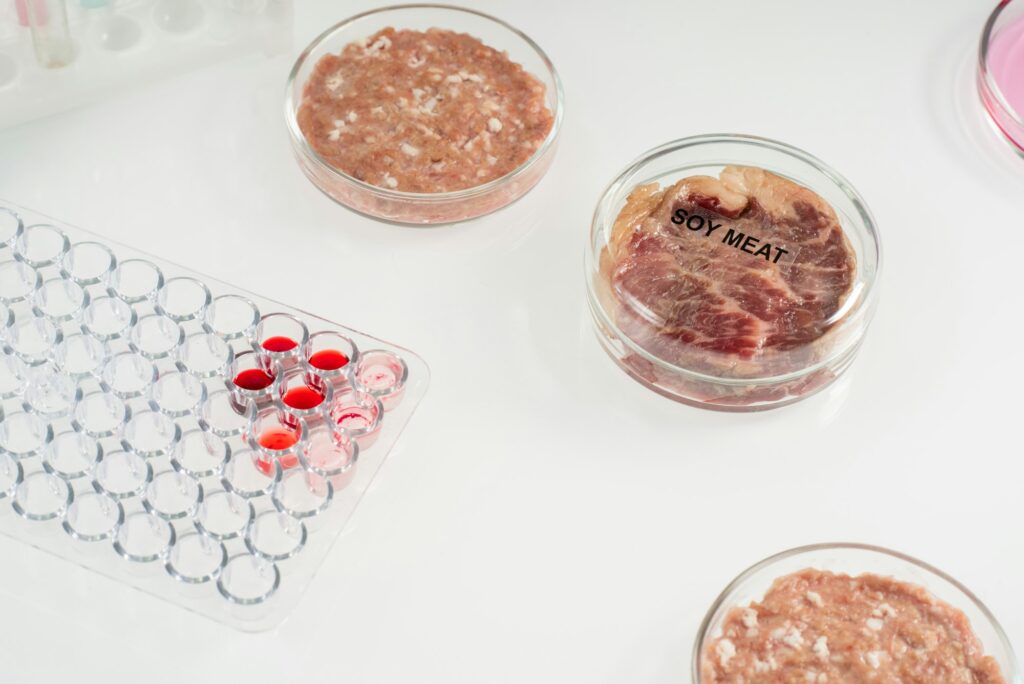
{"points": [[93, 516], [200, 454], [122, 474]]}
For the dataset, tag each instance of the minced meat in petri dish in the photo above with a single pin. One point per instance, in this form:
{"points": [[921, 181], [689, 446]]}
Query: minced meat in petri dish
{"points": [[424, 114], [730, 285], [832, 625]]}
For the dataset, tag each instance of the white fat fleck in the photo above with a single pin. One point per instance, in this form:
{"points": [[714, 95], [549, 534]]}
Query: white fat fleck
{"points": [[437, 166], [481, 173], [334, 134], [884, 610], [410, 150], [389, 90], [390, 181], [417, 93], [377, 111], [793, 638], [429, 47], [726, 651], [749, 618], [428, 106], [760, 665], [453, 79], [811, 676], [469, 144], [492, 160], [334, 82], [815, 598], [379, 45], [820, 648], [370, 139], [874, 658], [352, 116], [874, 624], [416, 61], [493, 125]]}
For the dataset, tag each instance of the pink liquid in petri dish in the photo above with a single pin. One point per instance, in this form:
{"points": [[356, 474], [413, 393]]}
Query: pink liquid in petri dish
{"points": [[1006, 68]]}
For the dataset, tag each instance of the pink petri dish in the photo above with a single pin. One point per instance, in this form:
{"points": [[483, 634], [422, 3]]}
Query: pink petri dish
{"points": [[1001, 70]]}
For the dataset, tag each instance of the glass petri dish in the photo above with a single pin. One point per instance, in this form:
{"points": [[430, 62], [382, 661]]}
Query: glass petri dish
{"points": [[413, 207], [853, 560], [675, 330], [1001, 70]]}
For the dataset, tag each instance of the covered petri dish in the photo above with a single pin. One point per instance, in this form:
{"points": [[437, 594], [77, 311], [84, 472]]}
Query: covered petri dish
{"points": [[732, 272], [850, 613], [1001, 70], [424, 114]]}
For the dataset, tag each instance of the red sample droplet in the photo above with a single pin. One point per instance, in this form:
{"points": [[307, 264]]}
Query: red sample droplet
{"points": [[278, 439], [302, 398], [328, 359], [353, 419], [279, 343], [266, 466], [253, 379]]}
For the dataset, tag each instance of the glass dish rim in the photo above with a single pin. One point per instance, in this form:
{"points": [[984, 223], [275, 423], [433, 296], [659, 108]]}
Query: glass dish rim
{"points": [[291, 107], [863, 309], [1012, 677], [985, 79]]}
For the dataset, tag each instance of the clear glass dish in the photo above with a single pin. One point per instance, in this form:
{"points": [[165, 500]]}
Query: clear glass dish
{"points": [[713, 378], [424, 208], [857, 559], [1001, 70]]}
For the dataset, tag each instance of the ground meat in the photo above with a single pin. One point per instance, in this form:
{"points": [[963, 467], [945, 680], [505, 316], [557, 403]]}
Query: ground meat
{"points": [[817, 627], [424, 112]]}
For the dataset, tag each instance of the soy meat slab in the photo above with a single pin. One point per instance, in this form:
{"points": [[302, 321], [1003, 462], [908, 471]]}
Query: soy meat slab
{"points": [[819, 627], [423, 112], [737, 276]]}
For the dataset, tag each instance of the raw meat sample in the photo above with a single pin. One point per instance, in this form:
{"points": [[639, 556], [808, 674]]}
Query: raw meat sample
{"points": [[423, 112], [815, 626], [740, 276]]}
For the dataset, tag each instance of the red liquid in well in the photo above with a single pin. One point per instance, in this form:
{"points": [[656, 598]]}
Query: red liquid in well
{"points": [[279, 343], [354, 418], [378, 377], [278, 439], [302, 398], [328, 359], [253, 379], [266, 466]]}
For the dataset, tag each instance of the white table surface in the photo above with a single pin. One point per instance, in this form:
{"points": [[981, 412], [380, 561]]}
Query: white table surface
{"points": [[544, 518]]}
